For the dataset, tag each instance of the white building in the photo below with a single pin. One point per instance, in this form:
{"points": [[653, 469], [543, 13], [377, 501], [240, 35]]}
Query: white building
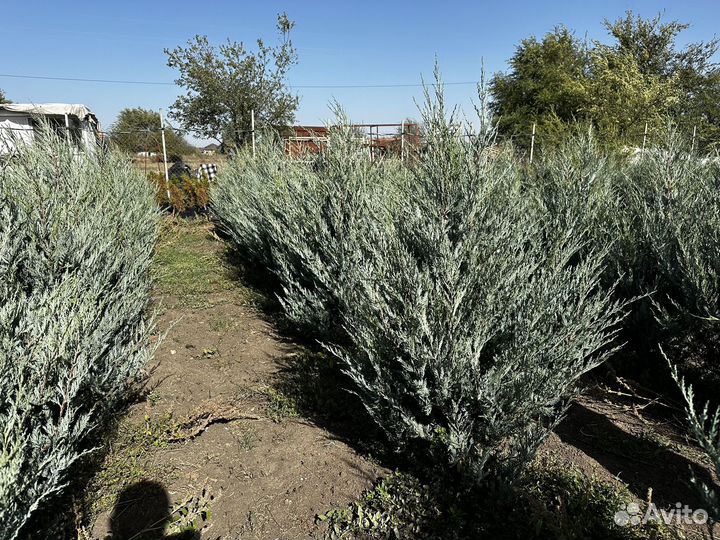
{"points": [[210, 149], [19, 122]]}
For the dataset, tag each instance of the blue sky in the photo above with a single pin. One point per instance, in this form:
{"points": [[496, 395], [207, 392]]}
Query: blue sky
{"points": [[338, 42]]}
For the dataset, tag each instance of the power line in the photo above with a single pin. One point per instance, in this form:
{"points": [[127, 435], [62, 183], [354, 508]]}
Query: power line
{"points": [[75, 79], [165, 83], [331, 86]]}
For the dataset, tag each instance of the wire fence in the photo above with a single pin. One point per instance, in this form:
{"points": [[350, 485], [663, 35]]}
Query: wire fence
{"points": [[381, 139]]}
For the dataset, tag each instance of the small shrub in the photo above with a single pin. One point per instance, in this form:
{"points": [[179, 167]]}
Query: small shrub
{"points": [[704, 428], [302, 221], [472, 322], [463, 321], [186, 193], [657, 216]]}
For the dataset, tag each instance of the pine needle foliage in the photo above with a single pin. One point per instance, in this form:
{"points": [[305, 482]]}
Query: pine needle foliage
{"points": [[658, 216], [77, 233], [704, 428], [464, 321]]}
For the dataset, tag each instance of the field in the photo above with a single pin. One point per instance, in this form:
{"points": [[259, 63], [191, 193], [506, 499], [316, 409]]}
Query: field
{"points": [[153, 165]]}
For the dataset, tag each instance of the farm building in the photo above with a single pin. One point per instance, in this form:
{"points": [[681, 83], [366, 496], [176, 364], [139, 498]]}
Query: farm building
{"points": [[20, 121], [210, 149], [396, 139]]}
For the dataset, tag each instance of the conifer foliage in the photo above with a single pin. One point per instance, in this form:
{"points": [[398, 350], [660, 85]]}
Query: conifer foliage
{"points": [[77, 233], [463, 318]]}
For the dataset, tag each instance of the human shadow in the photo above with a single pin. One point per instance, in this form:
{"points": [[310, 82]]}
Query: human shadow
{"points": [[641, 462], [143, 512]]}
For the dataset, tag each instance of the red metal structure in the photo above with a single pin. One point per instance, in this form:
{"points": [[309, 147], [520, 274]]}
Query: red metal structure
{"points": [[394, 139]]}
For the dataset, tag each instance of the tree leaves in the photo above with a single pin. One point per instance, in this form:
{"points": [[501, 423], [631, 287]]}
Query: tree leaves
{"points": [[138, 130], [641, 77], [224, 84]]}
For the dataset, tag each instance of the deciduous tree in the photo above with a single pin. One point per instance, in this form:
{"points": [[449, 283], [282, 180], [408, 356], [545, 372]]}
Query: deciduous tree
{"points": [[138, 130], [547, 84], [640, 76], [224, 84]]}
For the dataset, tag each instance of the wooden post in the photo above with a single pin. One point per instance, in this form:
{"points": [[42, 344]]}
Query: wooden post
{"points": [[692, 145], [532, 143], [402, 141], [252, 129], [645, 137], [167, 177]]}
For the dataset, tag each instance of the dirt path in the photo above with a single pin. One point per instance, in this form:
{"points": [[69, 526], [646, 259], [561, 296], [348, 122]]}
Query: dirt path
{"points": [[214, 432]]}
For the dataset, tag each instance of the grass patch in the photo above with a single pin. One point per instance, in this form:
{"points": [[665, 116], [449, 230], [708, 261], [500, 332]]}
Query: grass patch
{"points": [[190, 264], [553, 501], [125, 462], [279, 405], [220, 324]]}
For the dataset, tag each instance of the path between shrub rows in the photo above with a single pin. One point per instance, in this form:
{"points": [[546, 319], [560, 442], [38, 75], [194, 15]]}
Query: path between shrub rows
{"points": [[231, 453], [212, 431]]}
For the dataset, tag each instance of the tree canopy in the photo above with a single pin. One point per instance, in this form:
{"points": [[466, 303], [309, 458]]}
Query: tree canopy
{"points": [[138, 130], [641, 76], [3, 98], [547, 84], [224, 84]]}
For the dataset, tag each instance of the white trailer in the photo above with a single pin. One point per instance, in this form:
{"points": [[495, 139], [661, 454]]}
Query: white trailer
{"points": [[20, 121]]}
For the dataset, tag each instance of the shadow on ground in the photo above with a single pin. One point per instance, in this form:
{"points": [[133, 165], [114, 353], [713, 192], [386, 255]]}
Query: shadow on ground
{"points": [[318, 391], [640, 462], [143, 512]]}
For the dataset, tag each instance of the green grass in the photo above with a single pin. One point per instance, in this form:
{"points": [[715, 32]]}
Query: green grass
{"points": [[553, 501], [220, 324], [279, 405], [190, 265]]}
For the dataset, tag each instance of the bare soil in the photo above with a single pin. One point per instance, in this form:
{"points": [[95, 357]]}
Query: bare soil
{"points": [[227, 447]]}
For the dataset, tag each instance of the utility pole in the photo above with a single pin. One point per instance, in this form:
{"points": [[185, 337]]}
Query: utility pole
{"points": [[402, 141], [532, 142], [167, 177]]}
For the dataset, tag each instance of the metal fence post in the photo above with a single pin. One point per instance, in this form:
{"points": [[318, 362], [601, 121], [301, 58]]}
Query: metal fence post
{"points": [[252, 129], [532, 143], [167, 177]]}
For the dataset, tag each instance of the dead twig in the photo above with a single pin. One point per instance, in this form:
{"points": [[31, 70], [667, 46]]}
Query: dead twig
{"points": [[197, 424]]}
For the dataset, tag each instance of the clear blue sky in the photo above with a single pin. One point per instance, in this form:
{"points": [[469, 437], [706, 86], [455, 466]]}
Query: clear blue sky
{"points": [[338, 42]]}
